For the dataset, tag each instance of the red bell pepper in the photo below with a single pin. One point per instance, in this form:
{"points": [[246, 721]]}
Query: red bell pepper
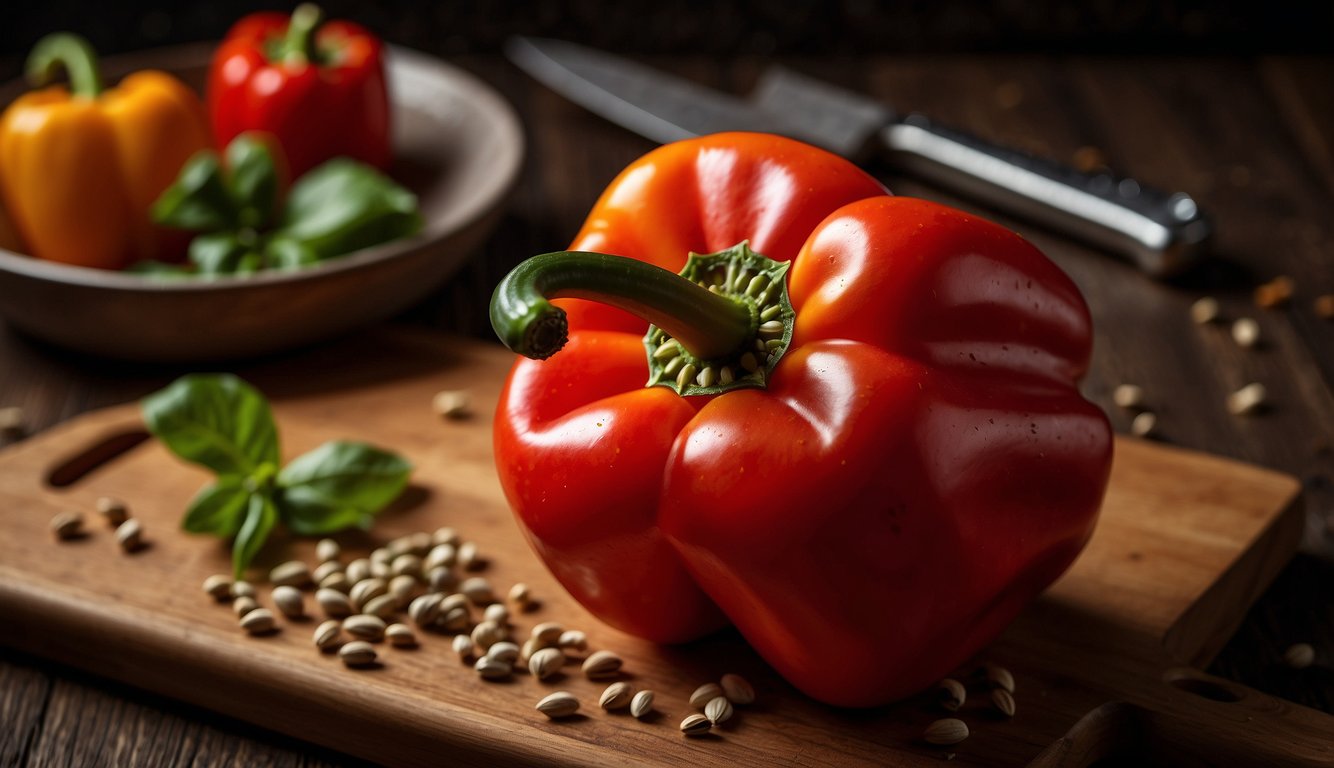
{"points": [[868, 482], [318, 87]]}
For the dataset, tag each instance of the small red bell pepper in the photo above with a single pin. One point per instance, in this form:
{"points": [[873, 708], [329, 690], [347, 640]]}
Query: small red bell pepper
{"points": [[867, 451], [318, 87]]}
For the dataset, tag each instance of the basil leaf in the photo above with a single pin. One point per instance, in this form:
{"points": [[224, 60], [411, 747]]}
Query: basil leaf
{"points": [[216, 420], [218, 509], [159, 269], [339, 485], [343, 205], [260, 517], [222, 253], [286, 253], [199, 198], [254, 180]]}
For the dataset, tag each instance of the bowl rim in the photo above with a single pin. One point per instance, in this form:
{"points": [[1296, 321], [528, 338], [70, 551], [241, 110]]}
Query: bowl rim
{"points": [[481, 98]]}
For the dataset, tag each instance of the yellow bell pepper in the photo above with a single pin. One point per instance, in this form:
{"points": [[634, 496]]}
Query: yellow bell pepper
{"points": [[81, 167]]}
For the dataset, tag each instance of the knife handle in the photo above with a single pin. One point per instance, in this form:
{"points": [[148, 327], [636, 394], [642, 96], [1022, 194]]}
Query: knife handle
{"points": [[1161, 232]]}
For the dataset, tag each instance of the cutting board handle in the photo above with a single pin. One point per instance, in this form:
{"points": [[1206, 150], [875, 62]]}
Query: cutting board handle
{"points": [[1199, 720]]}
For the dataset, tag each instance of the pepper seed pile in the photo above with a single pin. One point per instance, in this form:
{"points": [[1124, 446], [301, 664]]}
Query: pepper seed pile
{"points": [[128, 531], [951, 695], [430, 583]]}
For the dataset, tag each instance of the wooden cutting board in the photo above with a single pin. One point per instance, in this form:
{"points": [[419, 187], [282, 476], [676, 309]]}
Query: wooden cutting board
{"points": [[1184, 545]]}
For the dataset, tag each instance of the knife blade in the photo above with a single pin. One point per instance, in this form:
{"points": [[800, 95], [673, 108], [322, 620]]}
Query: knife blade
{"points": [[1162, 233]]}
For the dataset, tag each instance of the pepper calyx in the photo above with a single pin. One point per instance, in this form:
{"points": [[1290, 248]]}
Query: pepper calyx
{"points": [[752, 280]]}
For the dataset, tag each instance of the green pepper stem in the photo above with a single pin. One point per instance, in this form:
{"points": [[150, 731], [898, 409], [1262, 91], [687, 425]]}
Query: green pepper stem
{"points": [[706, 324], [70, 52], [299, 45]]}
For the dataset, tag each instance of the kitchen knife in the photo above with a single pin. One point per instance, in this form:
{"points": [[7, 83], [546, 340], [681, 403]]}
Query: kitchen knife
{"points": [[1160, 232]]}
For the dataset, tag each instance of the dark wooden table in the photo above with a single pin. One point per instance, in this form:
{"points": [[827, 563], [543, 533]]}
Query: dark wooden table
{"points": [[1252, 139]]}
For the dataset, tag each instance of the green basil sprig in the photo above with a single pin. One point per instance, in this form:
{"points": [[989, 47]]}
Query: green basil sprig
{"points": [[243, 226], [220, 422]]}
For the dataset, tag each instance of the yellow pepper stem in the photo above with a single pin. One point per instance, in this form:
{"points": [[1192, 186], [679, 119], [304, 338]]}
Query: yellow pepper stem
{"points": [[73, 54]]}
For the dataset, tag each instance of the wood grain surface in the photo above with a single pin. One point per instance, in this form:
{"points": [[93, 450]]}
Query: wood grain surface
{"points": [[1251, 138], [1185, 542]]}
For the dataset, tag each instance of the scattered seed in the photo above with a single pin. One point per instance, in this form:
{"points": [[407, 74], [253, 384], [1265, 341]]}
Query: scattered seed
{"points": [[364, 626], [424, 610], [617, 696], [1274, 293], [385, 606], [445, 535], [945, 732], [1246, 332], [219, 587], [1128, 396], [380, 570], [1246, 400], [243, 589], [504, 651], [573, 639], [367, 590], [327, 551], [737, 689], [335, 604], [1299, 656], [419, 543], [519, 595], [463, 646], [602, 664], [67, 525], [718, 710], [324, 570], [258, 621], [1204, 311], [493, 669], [468, 557], [696, 725], [1003, 701], [453, 619], [951, 694], [385, 555], [440, 554], [1143, 424], [1324, 306], [478, 590], [487, 634], [497, 612], [401, 589], [406, 564], [558, 704], [327, 635], [130, 535], [400, 635], [451, 404], [358, 570], [288, 601], [441, 579], [547, 634], [292, 573], [545, 662], [357, 653], [338, 581], [998, 677], [704, 694], [243, 605], [641, 704], [113, 511]]}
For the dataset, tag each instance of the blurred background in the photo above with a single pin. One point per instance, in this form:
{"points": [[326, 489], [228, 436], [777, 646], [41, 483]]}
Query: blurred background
{"points": [[732, 27]]}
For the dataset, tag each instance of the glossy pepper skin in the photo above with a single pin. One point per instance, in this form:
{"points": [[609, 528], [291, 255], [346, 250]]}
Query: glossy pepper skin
{"points": [[80, 167], [918, 467], [318, 87]]}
